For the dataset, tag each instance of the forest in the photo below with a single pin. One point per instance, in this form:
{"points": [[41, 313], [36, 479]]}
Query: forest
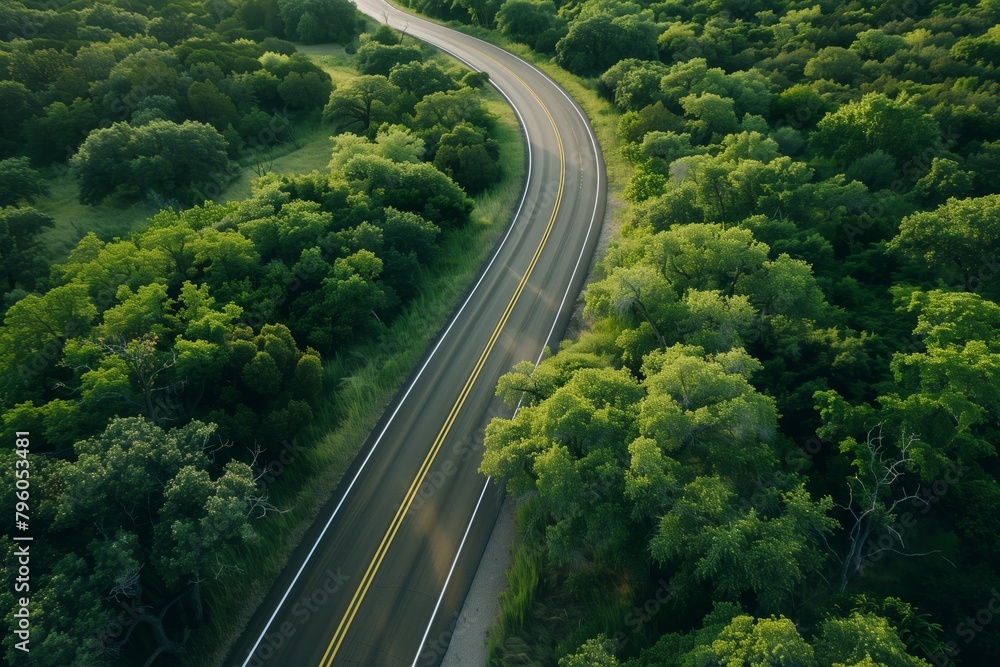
{"points": [[162, 372], [775, 440]]}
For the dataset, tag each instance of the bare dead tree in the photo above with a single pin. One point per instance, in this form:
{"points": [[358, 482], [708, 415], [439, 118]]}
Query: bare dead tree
{"points": [[211, 446], [874, 495], [260, 504], [126, 584]]}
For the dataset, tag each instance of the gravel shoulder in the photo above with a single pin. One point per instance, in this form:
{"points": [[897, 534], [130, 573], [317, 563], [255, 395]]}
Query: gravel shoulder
{"points": [[468, 642]]}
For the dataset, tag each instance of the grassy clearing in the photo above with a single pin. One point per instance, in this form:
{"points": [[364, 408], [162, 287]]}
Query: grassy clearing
{"points": [[312, 153], [360, 383], [109, 219]]}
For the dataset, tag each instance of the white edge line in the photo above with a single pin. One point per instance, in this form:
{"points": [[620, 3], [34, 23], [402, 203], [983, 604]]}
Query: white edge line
{"points": [[451, 571], [555, 321], [399, 405]]}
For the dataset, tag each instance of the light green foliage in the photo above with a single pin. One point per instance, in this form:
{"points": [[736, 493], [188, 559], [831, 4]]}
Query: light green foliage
{"points": [[421, 79], [705, 411], [952, 377], [958, 240], [713, 115], [836, 64], [803, 287], [597, 652], [897, 126], [862, 639], [347, 303], [572, 448], [377, 57], [760, 641], [769, 552], [946, 179], [874, 44]]}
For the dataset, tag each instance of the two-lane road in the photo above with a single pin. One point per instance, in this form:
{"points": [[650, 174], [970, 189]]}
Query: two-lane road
{"points": [[379, 579]]}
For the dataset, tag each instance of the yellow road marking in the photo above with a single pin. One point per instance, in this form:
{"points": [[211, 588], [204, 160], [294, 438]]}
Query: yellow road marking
{"points": [[397, 521]]}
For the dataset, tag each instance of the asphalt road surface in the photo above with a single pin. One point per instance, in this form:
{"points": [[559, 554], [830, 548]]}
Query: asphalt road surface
{"points": [[380, 578]]}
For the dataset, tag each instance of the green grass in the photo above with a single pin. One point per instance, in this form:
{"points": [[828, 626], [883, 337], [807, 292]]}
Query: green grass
{"points": [[110, 219], [360, 384], [313, 153], [524, 577]]}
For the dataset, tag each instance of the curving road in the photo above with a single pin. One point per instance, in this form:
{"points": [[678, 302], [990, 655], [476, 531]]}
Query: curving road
{"points": [[381, 576]]}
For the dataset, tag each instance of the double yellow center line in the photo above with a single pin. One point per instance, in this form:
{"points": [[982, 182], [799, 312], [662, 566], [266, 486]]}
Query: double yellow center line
{"points": [[397, 521]]}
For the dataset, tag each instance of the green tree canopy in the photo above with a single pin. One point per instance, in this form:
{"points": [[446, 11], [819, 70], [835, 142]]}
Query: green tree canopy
{"points": [[173, 160]]}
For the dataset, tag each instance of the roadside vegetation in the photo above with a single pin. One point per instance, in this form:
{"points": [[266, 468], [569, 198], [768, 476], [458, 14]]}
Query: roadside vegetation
{"points": [[197, 379], [774, 443]]}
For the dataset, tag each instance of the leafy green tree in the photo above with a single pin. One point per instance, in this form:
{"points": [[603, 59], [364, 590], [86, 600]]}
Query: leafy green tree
{"points": [[305, 92], [374, 57], [347, 304], [19, 182], [360, 104], [209, 105], [757, 641], [21, 252], [768, 552], [469, 156], [118, 20], [597, 652], [875, 122], [163, 157], [862, 639], [226, 256], [415, 188], [634, 125], [957, 241], [265, 14], [316, 21], [943, 392], [836, 64], [35, 328], [421, 79], [525, 20], [572, 449], [447, 109], [55, 136], [192, 518], [593, 44], [399, 144], [704, 409], [946, 179], [171, 29], [37, 68], [874, 44], [713, 115], [481, 12]]}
